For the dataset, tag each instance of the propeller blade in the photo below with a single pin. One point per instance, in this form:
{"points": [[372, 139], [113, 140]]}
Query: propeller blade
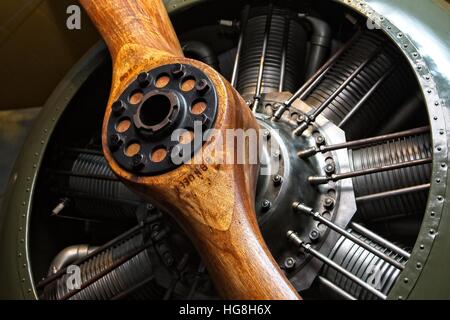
{"points": [[211, 200], [133, 22]]}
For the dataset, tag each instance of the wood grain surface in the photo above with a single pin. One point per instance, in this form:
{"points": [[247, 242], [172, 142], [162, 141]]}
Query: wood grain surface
{"points": [[214, 203]]}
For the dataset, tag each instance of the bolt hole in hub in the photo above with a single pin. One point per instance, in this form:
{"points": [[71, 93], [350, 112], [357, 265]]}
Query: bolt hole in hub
{"points": [[136, 97], [159, 154]]}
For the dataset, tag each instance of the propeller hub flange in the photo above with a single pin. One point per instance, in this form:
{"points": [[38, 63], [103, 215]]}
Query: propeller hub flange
{"points": [[144, 120]]}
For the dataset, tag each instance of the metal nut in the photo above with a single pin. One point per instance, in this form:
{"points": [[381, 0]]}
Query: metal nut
{"points": [[289, 263], [329, 168], [137, 161], [320, 140], [265, 205], [115, 141], [328, 203], [178, 70], [277, 179], [143, 79], [202, 86], [118, 107], [314, 235]]}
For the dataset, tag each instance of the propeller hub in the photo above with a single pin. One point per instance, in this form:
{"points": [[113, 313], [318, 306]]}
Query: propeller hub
{"points": [[150, 119], [287, 183]]}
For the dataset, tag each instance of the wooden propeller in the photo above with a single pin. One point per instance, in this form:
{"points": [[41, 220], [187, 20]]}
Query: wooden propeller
{"points": [[213, 202]]}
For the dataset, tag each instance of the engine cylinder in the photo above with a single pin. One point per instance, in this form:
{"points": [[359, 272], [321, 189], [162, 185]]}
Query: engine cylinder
{"points": [[392, 152], [95, 192], [365, 265], [379, 104], [129, 274], [286, 33]]}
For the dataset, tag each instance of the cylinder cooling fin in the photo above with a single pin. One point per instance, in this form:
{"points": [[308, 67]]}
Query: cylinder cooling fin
{"points": [[388, 204], [144, 262], [368, 267], [284, 62], [135, 271], [93, 189], [382, 84], [344, 201]]}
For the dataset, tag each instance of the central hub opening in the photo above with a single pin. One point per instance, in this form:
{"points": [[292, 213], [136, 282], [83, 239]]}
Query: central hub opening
{"points": [[155, 110]]}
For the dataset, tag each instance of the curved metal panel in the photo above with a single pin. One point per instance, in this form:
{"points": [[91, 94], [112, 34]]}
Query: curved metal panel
{"points": [[415, 26]]}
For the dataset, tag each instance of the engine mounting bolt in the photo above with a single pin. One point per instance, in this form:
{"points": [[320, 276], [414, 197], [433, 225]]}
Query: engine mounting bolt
{"points": [[118, 107], [329, 168], [137, 161], [265, 205], [115, 141], [320, 140], [301, 119], [266, 134], [314, 235], [178, 70], [277, 179], [289, 263], [273, 106], [328, 203], [276, 154], [202, 86], [143, 79]]}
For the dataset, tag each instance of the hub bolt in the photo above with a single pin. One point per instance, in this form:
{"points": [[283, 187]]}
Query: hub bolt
{"points": [[277, 179], [314, 235], [178, 70], [276, 106], [137, 161], [301, 119], [115, 141], [289, 263], [328, 203], [330, 168], [118, 107], [143, 79], [320, 140], [202, 86], [265, 205]]}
